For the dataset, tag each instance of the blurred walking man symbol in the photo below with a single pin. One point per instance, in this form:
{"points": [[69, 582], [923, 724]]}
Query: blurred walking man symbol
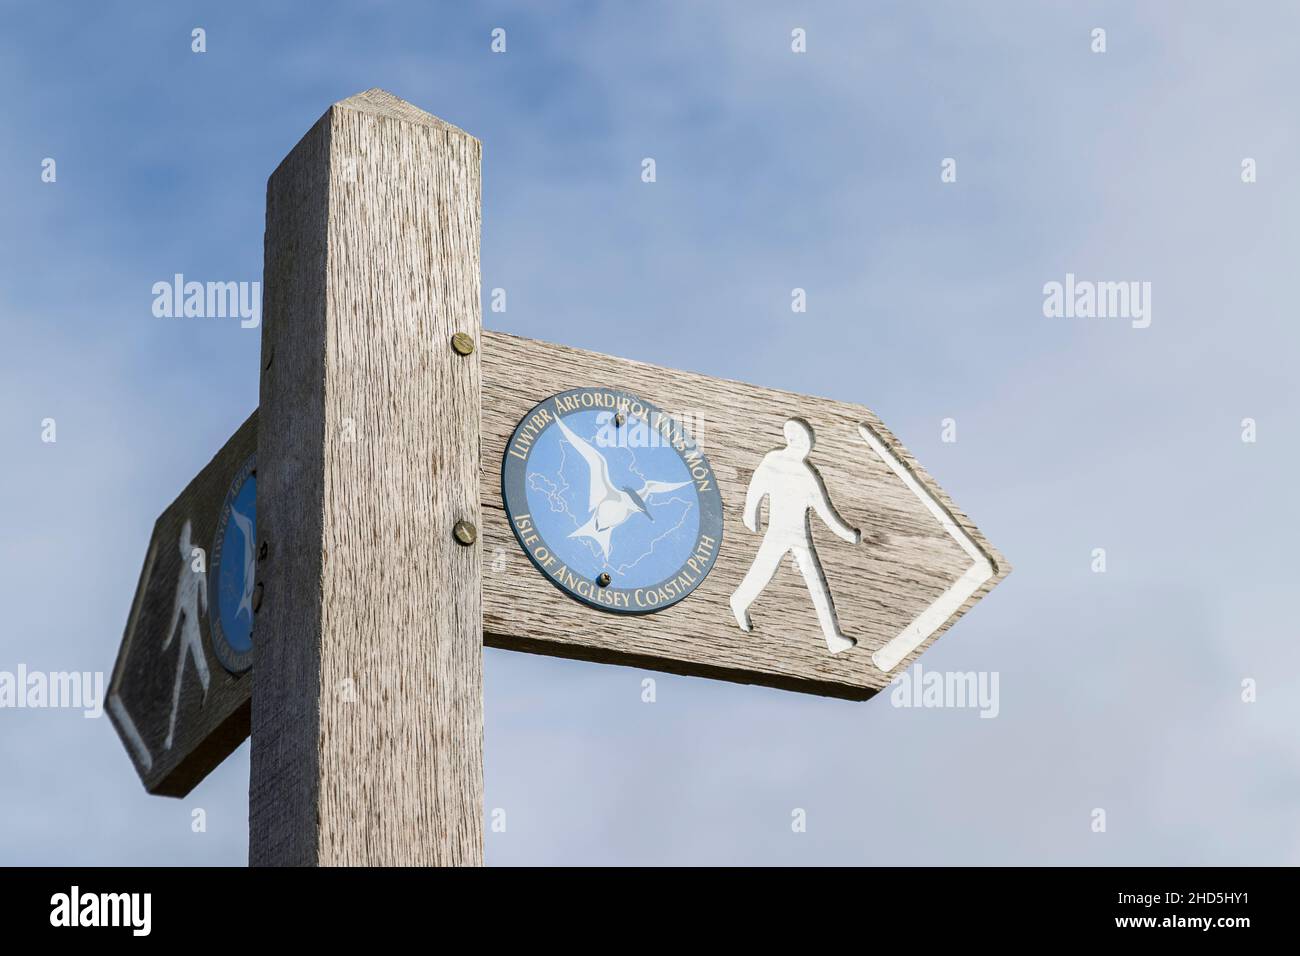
{"points": [[191, 591], [793, 488]]}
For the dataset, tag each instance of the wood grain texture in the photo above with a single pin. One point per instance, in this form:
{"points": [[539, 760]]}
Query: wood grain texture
{"points": [[367, 695], [208, 725], [905, 561]]}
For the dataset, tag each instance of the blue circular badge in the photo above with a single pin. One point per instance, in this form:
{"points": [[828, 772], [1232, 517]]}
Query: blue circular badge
{"points": [[233, 569], [612, 500]]}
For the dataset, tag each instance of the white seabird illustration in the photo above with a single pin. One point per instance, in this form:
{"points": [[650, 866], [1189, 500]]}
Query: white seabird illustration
{"points": [[608, 506], [245, 525]]}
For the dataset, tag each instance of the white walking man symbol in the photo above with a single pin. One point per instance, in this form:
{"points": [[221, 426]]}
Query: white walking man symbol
{"points": [[191, 591], [793, 488]]}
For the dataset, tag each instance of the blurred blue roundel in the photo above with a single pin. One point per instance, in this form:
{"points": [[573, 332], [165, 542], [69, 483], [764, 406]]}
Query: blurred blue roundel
{"points": [[232, 572]]}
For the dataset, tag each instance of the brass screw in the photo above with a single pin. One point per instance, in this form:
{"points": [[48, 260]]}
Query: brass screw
{"points": [[462, 344], [619, 419], [257, 597], [465, 533], [604, 579]]}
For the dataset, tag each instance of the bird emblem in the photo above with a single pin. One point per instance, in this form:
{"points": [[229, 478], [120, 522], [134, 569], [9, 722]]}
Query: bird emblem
{"points": [[609, 506], [245, 525]]}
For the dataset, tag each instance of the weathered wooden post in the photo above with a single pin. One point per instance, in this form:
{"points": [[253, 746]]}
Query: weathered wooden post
{"points": [[367, 683]]}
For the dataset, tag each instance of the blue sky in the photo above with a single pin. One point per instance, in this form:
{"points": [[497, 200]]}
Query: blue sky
{"points": [[1119, 690]]}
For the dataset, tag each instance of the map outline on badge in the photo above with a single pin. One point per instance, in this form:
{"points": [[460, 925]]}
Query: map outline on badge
{"points": [[612, 500]]}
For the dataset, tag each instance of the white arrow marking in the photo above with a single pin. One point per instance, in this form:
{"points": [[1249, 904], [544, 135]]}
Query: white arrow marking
{"points": [[934, 616], [132, 732]]}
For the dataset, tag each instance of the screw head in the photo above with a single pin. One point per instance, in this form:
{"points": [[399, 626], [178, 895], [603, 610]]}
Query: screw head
{"points": [[465, 533], [462, 344], [604, 579], [619, 419]]}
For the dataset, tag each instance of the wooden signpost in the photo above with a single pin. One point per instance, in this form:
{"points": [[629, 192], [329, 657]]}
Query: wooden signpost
{"points": [[178, 710], [424, 487]]}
